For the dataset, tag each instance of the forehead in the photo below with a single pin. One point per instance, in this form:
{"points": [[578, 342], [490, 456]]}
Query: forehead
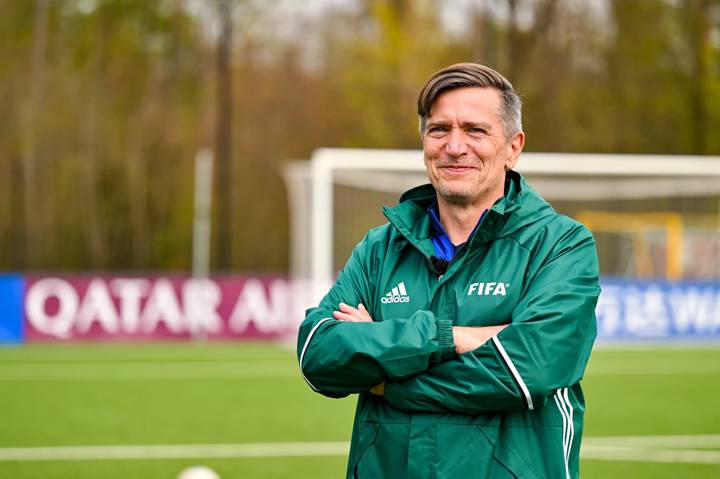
{"points": [[473, 101]]}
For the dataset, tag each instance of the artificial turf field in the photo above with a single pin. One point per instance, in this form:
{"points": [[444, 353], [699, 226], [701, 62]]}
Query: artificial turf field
{"points": [[148, 410]]}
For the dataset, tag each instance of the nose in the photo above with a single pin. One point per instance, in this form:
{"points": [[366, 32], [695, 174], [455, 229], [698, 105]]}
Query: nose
{"points": [[456, 145]]}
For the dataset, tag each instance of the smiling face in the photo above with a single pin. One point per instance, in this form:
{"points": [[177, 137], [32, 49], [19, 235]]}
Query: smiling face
{"points": [[466, 152]]}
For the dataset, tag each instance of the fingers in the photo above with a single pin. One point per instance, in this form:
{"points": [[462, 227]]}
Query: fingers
{"points": [[364, 312], [469, 338], [346, 308], [348, 313], [346, 317]]}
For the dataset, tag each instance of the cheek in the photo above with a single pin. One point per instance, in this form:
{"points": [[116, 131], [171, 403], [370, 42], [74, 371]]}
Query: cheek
{"points": [[485, 148], [432, 147], [428, 166], [429, 158]]}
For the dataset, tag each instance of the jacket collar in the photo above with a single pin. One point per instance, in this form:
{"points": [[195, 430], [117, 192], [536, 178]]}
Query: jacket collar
{"points": [[410, 216]]}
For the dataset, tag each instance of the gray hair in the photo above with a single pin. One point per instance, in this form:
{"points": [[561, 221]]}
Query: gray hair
{"points": [[463, 75]]}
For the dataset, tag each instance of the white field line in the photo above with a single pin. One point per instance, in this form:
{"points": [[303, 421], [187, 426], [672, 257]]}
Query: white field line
{"points": [[611, 453], [700, 441], [174, 451], [664, 449], [636, 448], [656, 346], [652, 371]]}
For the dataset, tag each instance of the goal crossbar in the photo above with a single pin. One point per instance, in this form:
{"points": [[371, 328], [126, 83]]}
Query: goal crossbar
{"points": [[326, 161]]}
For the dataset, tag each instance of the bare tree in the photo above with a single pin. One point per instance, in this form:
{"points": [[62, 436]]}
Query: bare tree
{"points": [[223, 138], [698, 32], [30, 162], [92, 164]]}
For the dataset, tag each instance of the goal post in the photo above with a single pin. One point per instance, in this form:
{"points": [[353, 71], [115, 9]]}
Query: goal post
{"points": [[636, 205]]}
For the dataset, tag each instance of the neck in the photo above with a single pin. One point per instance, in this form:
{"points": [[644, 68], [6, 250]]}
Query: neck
{"points": [[459, 220]]}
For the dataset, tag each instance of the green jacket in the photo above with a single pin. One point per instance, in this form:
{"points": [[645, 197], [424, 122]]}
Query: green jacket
{"points": [[512, 408]]}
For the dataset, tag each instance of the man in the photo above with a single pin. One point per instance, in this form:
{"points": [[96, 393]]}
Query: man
{"points": [[464, 324]]}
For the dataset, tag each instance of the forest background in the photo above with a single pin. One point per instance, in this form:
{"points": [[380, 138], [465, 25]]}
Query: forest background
{"points": [[105, 103]]}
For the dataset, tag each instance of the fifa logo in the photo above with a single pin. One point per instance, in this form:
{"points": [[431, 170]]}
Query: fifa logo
{"points": [[488, 289]]}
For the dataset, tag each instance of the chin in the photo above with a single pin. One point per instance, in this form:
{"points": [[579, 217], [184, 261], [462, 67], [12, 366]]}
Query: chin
{"points": [[455, 197]]}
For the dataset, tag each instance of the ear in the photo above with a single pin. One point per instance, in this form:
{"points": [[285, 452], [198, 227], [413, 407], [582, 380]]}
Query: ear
{"points": [[516, 145]]}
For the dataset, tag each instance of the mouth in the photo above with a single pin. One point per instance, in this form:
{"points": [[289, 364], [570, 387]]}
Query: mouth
{"points": [[457, 169]]}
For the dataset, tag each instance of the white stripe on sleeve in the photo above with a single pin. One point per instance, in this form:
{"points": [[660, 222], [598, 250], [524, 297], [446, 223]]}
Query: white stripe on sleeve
{"points": [[302, 353], [564, 422], [572, 426], [514, 372], [567, 423]]}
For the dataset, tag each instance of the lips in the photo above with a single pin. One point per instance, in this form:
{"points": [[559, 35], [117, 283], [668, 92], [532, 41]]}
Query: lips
{"points": [[457, 168]]}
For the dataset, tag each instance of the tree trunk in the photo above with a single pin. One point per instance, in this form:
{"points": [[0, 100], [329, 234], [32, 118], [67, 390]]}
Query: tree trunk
{"points": [[699, 38], [91, 164], [30, 162], [513, 44], [223, 139]]}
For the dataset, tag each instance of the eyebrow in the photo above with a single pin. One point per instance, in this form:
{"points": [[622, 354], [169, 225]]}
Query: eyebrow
{"points": [[481, 124], [465, 124]]}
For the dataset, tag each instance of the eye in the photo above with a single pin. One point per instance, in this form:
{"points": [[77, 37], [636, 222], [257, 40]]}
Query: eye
{"points": [[437, 131], [477, 131]]}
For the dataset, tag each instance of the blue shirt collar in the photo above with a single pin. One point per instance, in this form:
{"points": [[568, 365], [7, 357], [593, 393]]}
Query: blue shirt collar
{"points": [[444, 248]]}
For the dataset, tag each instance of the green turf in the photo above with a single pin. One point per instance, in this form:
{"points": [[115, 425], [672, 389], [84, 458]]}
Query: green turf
{"points": [[99, 394], [277, 468]]}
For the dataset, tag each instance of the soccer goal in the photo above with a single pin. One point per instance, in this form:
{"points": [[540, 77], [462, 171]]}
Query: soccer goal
{"points": [[653, 216]]}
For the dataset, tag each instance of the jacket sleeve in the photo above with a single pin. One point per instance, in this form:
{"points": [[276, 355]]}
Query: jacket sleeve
{"points": [[338, 358], [546, 346]]}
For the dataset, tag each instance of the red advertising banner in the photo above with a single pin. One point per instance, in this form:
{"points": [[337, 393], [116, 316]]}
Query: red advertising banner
{"points": [[77, 308]]}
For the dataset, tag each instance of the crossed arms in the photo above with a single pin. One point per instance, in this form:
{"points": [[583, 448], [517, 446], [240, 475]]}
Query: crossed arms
{"points": [[427, 364], [465, 338]]}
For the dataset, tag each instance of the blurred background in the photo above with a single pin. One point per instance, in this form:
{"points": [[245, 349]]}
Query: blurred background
{"points": [[104, 104], [107, 107]]}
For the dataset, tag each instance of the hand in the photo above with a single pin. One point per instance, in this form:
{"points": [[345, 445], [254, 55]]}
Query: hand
{"points": [[378, 390], [469, 338], [356, 315]]}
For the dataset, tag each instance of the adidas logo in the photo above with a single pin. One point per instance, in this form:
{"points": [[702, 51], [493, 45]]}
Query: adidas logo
{"points": [[397, 295]]}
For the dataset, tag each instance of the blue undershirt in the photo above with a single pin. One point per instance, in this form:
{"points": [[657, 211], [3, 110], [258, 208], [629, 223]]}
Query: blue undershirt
{"points": [[444, 248]]}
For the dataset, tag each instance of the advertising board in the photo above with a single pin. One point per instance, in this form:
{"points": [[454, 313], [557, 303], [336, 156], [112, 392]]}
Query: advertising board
{"points": [[159, 308]]}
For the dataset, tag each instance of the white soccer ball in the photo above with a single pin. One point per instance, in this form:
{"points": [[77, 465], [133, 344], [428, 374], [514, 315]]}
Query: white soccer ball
{"points": [[198, 472]]}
